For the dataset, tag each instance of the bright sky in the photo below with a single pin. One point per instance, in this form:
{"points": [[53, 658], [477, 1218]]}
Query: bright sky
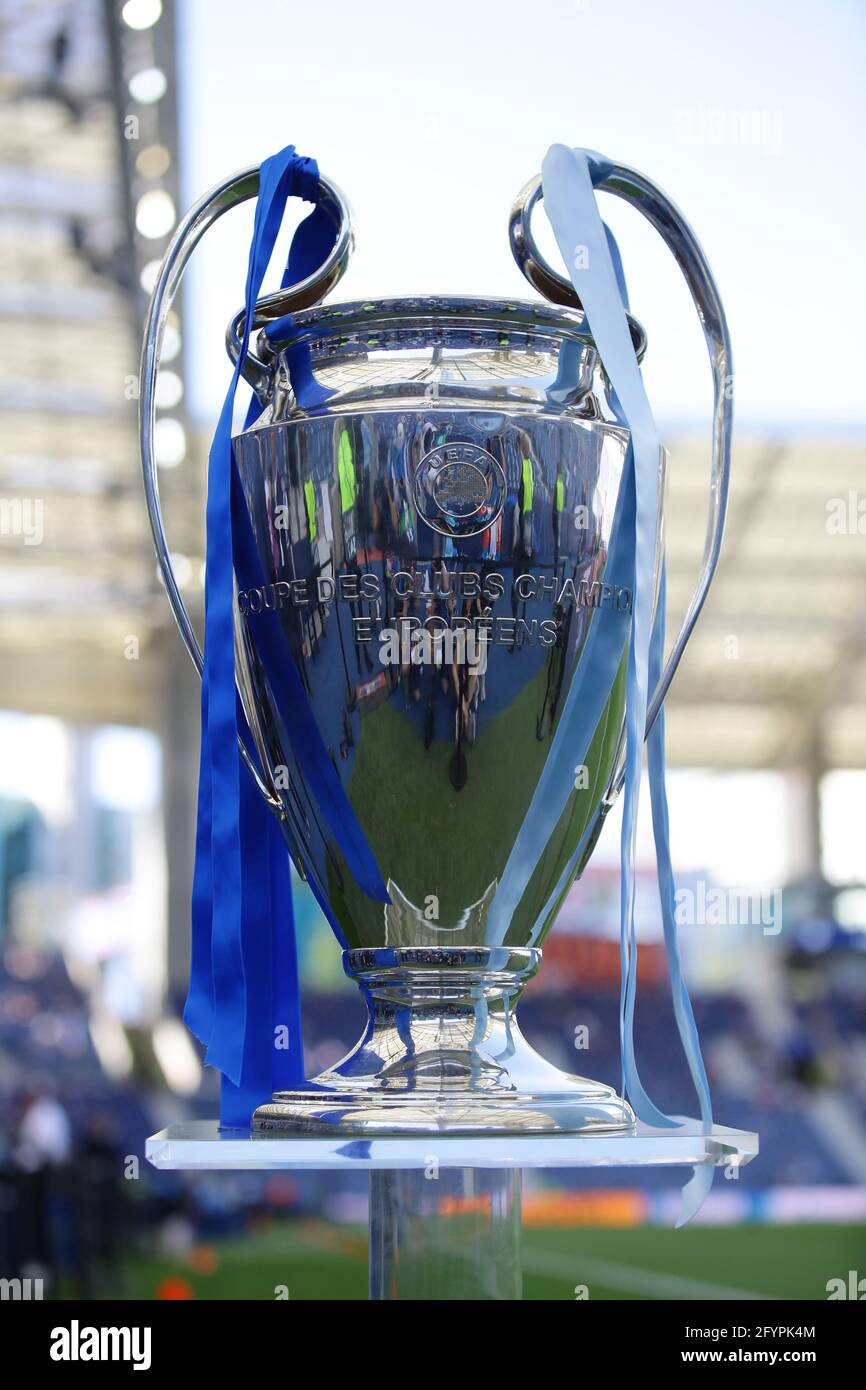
{"points": [[431, 117]]}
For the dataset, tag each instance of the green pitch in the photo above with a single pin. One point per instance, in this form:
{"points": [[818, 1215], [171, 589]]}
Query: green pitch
{"points": [[312, 1259]]}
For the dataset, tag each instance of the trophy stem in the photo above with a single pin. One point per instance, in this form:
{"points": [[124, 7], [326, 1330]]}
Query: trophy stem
{"points": [[442, 1053], [449, 1233]]}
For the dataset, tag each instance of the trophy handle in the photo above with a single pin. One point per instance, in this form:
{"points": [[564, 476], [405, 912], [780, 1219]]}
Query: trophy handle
{"points": [[238, 188], [669, 222]]}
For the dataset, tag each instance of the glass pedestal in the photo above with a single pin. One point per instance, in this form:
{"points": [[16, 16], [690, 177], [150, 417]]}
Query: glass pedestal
{"points": [[452, 1236], [445, 1210]]}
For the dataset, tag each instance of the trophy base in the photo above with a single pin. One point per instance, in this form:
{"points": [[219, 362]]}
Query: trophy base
{"points": [[589, 1107], [443, 1054]]}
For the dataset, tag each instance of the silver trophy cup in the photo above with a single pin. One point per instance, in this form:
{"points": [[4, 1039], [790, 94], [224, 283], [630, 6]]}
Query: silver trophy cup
{"points": [[432, 484]]}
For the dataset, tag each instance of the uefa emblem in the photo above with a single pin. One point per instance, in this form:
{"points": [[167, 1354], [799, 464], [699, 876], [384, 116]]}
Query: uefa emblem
{"points": [[459, 489]]}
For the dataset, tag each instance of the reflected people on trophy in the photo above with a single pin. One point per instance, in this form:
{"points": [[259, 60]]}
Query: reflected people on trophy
{"points": [[388, 571], [455, 634], [438, 683], [521, 531], [556, 669], [353, 514]]}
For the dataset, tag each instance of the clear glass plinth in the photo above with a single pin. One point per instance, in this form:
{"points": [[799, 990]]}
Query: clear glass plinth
{"points": [[445, 1208], [445, 1234], [202, 1144]]}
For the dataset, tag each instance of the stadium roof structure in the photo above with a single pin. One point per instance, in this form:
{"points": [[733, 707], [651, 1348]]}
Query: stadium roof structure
{"points": [[775, 675]]}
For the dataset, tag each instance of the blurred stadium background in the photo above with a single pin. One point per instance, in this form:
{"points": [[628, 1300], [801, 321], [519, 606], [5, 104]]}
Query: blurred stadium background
{"points": [[98, 727]]}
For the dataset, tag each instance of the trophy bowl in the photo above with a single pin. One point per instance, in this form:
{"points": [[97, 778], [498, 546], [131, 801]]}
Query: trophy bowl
{"points": [[433, 488]]}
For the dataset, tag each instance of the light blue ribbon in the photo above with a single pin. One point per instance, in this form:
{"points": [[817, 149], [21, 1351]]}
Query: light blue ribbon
{"points": [[569, 178], [584, 705]]}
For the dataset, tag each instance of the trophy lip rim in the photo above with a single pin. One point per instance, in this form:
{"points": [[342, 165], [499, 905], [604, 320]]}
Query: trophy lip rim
{"points": [[538, 316]]}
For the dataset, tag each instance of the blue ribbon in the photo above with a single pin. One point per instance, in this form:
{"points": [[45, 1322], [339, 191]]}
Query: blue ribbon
{"points": [[569, 178], [243, 1001]]}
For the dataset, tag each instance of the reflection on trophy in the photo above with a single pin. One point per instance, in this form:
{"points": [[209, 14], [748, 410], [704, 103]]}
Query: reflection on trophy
{"points": [[433, 486]]}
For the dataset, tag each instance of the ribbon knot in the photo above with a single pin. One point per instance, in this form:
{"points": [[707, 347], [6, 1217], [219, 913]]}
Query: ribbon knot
{"points": [[304, 179]]}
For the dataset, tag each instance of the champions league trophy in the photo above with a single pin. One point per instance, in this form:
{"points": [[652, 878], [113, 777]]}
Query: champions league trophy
{"points": [[432, 485]]}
